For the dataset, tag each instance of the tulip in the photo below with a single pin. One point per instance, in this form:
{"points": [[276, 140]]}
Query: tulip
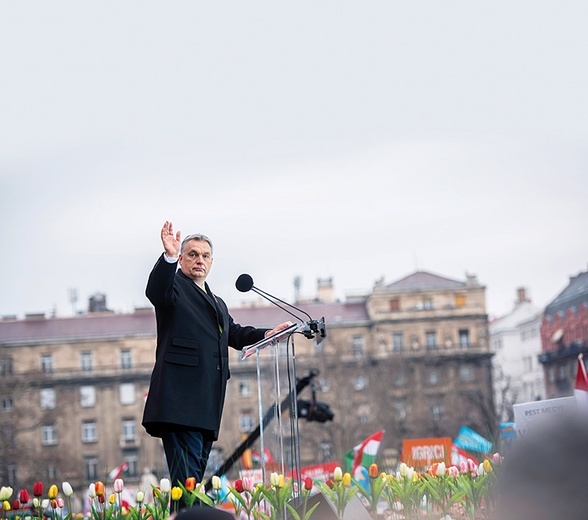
{"points": [[15, 504], [346, 479], [6, 505], [239, 486], [52, 493], [176, 493], [23, 496], [140, 497], [472, 466], [373, 471], [481, 470], [497, 458], [112, 498], [67, 489], [38, 489], [165, 485], [5, 493], [216, 482], [60, 502], [403, 469], [36, 502], [45, 503], [440, 469], [487, 466], [101, 499], [53, 503], [190, 483], [453, 471], [338, 474], [274, 479], [99, 488], [463, 467], [92, 490], [118, 485], [415, 476], [308, 484], [330, 483]]}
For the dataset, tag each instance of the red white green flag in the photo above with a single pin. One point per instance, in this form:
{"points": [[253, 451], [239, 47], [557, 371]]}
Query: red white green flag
{"points": [[364, 453]]}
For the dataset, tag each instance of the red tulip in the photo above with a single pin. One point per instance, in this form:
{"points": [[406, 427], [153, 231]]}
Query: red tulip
{"points": [[239, 486], [23, 496], [38, 489], [15, 504], [99, 486], [190, 483], [330, 483], [308, 484], [101, 499], [373, 471]]}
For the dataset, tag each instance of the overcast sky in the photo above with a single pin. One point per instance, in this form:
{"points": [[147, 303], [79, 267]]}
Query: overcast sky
{"points": [[356, 140]]}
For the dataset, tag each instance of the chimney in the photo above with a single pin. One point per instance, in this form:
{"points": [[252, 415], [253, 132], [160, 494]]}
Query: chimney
{"points": [[324, 290], [522, 295], [97, 303]]}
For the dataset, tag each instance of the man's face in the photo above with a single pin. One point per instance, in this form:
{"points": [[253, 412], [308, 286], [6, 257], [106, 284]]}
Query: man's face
{"points": [[196, 260]]}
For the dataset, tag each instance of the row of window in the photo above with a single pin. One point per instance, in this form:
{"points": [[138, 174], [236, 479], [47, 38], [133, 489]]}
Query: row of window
{"points": [[426, 304], [90, 432], [358, 347], [48, 397], [86, 362]]}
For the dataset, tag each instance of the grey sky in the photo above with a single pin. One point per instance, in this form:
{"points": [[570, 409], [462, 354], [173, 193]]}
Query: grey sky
{"points": [[345, 139]]}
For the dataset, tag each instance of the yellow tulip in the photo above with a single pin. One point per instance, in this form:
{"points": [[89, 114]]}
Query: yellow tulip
{"points": [[487, 466], [52, 493], [176, 493], [6, 505], [346, 479], [112, 498]]}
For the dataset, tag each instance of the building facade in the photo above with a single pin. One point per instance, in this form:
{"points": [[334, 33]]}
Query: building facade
{"points": [[564, 335], [411, 358], [516, 344]]}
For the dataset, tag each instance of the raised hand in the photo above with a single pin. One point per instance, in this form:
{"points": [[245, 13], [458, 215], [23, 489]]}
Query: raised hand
{"points": [[171, 243]]}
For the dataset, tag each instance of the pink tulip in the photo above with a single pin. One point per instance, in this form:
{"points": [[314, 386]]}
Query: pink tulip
{"points": [[118, 485]]}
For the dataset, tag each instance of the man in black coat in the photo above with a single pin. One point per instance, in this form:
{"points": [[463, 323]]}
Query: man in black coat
{"points": [[194, 330]]}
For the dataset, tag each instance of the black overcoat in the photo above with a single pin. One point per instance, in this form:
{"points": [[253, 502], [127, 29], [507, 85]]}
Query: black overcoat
{"points": [[194, 331]]}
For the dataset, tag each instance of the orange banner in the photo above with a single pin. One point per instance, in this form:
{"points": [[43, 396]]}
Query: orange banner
{"points": [[421, 453]]}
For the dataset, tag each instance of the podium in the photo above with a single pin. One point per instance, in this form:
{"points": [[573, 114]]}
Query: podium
{"points": [[276, 393]]}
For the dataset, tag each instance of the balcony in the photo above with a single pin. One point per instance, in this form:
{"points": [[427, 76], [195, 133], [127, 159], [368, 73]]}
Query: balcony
{"points": [[129, 442], [564, 352]]}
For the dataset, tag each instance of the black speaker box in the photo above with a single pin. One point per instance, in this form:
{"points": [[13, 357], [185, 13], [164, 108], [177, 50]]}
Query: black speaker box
{"points": [[326, 510]]}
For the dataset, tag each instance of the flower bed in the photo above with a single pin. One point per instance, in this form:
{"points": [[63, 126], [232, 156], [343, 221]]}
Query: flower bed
{"points": [[463, 492]]}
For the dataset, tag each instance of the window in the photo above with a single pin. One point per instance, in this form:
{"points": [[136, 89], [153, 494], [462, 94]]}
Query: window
{"points": [[91, 467], [357, 346], [51, 472], [466, 373], [11, 472], [437, 413], [48, 435], [126, 360], [131, 457], [246, 422], [433, 377], [129, 429], [395, 305], [48, 400], [86, 361], [431, 340], [460, 300], [360, 382], [5, 366], [47, 363], [325, 451], [464, 338], [398, 341], [127, 393], [89, 431], [87, 396], [245, 387], [363, 413], [400, 379], [400, 409], [427, 304], [7, 403]]}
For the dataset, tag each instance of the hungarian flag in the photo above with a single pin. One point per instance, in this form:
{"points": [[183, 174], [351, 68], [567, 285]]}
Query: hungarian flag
{"points": [[581, 390], [251, 459], [364, 454], [118, 471]]}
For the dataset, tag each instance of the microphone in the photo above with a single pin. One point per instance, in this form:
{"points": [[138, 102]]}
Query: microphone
{"points": [[244, 283]]}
